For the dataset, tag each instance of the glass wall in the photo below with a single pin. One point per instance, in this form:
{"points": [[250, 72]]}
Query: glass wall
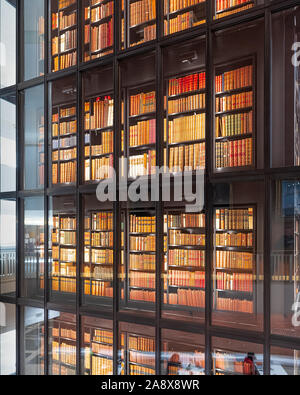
{"points": [[8, 15], [8, 339], [8, 143], [285, 362]]}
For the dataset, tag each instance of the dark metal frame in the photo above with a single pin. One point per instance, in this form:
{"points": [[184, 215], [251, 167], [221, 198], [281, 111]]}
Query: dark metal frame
{"points": [[262, 12]]}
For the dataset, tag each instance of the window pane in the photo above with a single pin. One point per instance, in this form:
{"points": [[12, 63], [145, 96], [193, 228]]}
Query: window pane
{"points": [[34, 39], [8, 15], [33, 260], [285, 139], [62, 249], [8, 267], [136, 350], [33, 363], [232, 357], [7, 339], [8, 143], [62, 344], [285, 362], [34, 138], [63, 34], [238, 255], [97, 346], [183, 353], [285, 258]]}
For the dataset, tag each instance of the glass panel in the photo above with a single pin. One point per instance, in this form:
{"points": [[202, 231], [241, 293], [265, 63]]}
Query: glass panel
{"points": [[33, 363], [97, 270], [239, 98], [238, 255], [232, 357], [63, 34], [140, 22], [182, 15], [8, 259], [34, 138], [62, 248], [285, 258], [8, 14], [285, 139], [98, 29], [34, 38], [136, 350], [285, 362], [33, 260], [62, 344], [183, 353], [98, 125], [97, 346], [8, 339], [63, 131], [8, 143], [223, 8]]}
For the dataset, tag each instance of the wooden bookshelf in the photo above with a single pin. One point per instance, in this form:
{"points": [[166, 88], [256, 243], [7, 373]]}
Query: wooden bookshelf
{"points": [[64, 144], [98, 28], [235, 117], [225, 8], [185, 122], [235, 260], [98, 255], [99, 137], [63, 34], [183, 15]]}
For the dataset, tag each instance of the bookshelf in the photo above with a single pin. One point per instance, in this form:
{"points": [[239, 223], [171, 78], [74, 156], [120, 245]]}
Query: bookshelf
{"points": [[225, 8], [185, 122], [234, 126], [182, 15], [63, 34], [63, 237], [98, 28], [185, 261], [234, 274], [63, 348], [98, 255], [98, 137], [98, 351]]}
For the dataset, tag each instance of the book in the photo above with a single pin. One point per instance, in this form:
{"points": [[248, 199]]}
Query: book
{"points": [[230, 7]]}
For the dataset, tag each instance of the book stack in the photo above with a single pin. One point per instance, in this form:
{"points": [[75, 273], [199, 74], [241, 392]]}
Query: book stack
{"points": [[187, 157], [230, 7], [142, 103], [234, 265], [141, 355], [234, 123], [143, 133]]}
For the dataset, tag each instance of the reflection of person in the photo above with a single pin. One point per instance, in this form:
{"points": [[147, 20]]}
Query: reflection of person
{"points": [[250, 368], [174, 364]]}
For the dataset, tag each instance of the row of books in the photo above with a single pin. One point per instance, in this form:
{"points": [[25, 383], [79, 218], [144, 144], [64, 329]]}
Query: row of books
{"points": [[101, 221], [142, 165], [101, 37], [234, 11], [175, 5], [186, 278], [65, 3], [102, 11], [189, 103], [102, 115], [63, 269], [142, 262], [188, 157], [234, 282], [142, 243], [103, 336], [176, 237], [234, 219], [222, 5], [98, 288], [142, 358], [102, 257], [188, 297], [142, 133], [102, 273], [99, 169], [234, 239], [234, 124], [236, 153], [66, 142], [64, 222], [234, 79], [102, 239], [189, 83], [186, 128], [106, 147], [234, 260], [68, 254], [68, 333], [141, 224], [186, 220], [101, 366], [142, 11], [63, 20], [235, 305], [67, 285], [144, 296], [64, 237], [186, 258], [136, 370], [234, 102], [64, 352], [142, 280], [140, 343], [142, 103], [64, 61], [67, 173], [64, 128], [182, 22], [64, 155]]}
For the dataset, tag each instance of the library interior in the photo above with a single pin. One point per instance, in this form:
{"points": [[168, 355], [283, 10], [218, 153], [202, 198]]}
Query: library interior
{"points": [[95, 90]]}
